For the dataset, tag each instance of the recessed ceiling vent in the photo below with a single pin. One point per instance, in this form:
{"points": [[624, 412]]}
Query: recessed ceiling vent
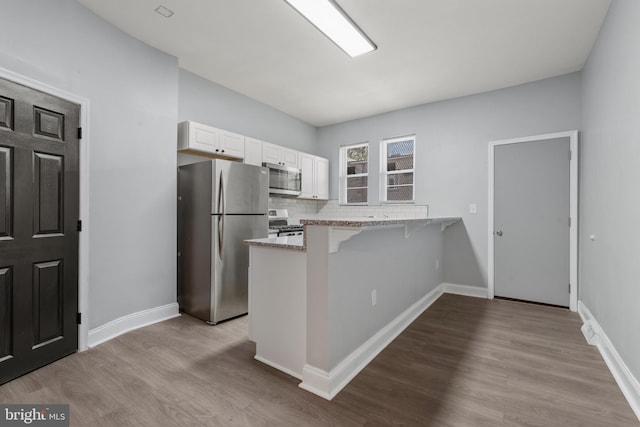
{"points": [[166, 12]]}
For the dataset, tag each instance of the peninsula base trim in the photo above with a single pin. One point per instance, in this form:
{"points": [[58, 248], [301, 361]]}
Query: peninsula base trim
{"points": [[328, 384]]}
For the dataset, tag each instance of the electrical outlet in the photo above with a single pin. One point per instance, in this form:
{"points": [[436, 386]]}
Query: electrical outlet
{"points": [[374, 298], [437, 264]]}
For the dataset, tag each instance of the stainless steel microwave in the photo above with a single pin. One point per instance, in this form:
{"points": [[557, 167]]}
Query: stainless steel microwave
{"points": [[284, 180]]}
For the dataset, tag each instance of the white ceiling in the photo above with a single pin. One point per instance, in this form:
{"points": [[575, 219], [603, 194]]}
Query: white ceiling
{"points": [[428, 50]]}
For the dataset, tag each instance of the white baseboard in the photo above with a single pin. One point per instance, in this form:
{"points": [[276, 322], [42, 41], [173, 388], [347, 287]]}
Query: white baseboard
{"points": [[466, 290], [595, 335], [278, 367], [328, 384], [132, 321]]}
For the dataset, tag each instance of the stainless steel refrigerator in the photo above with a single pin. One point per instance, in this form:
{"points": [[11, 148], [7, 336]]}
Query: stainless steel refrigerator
{"points": [[220, 204]]}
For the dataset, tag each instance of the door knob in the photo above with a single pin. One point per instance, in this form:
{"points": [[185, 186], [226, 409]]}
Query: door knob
{"points": [[499, 233]]}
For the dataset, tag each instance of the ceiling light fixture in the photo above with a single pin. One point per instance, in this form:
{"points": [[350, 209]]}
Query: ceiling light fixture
{"points": [[334, 23], [166, 12]]}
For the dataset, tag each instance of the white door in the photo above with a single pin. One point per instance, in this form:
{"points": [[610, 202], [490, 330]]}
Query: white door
{"points": [[531, 220]]}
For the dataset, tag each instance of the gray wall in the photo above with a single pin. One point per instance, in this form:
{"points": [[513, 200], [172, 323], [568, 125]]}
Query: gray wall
{"points": [[133, 91], [610, 173], [209, 103], [452, 151]]}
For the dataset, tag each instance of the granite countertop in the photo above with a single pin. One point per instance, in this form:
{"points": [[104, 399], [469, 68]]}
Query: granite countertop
{"points": [[375, 221], [296, 243]]}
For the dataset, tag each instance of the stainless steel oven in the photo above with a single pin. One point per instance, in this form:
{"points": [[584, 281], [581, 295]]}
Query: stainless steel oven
{"points": [[279, 224], [284, 180]]}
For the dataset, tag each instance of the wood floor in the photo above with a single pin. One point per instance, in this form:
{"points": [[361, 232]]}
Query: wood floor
{"points": [[464, 362]]}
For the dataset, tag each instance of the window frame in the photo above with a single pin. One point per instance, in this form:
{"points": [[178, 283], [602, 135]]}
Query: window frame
{"points": [[384, 174], [343, 173]]}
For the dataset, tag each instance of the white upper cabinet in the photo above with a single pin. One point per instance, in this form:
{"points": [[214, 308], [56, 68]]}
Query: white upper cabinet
{"points": [[279, 155], [199, 139], [289, 157], [305, 163], [194, 136], [252, 151], [271, 153], [231, 144], [315, 176], [322, 178], [202, 140]]}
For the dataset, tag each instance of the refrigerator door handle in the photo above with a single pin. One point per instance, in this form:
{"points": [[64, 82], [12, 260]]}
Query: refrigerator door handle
{"points": [[221, 216]]}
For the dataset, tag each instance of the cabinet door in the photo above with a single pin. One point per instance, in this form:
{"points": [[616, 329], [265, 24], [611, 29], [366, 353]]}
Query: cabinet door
{"points": [[289, 157], [252, 151], [203, 138], [306, 164], [270, 153], [322, 178], [231, 144]]}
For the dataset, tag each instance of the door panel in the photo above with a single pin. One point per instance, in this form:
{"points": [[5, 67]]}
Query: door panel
{"points": [[531, 217], [48, 203], [48, 124], [39, 208], [6, 189], [6, 113], [6, 312], [47, 302]]}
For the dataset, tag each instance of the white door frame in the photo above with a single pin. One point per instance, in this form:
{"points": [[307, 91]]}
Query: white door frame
{"points": [[573, 209], [83, 238]]}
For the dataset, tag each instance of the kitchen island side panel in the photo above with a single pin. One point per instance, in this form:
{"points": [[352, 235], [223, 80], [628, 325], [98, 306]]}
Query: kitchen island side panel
{"points": [[399, 269]]}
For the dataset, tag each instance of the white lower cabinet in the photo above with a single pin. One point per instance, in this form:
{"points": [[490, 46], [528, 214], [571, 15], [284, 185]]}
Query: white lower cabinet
{"points": [[315, 176]]}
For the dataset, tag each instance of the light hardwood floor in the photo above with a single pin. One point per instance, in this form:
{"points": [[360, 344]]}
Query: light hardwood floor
{"points": [[464, 362]]}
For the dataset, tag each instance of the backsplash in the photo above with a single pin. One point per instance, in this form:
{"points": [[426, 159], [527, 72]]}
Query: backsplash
{"points": [[332, 209], [302, 209], [298, 208]]}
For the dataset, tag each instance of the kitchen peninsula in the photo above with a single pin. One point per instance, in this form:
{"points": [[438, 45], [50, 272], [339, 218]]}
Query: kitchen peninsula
{"points": [[324, 305]]}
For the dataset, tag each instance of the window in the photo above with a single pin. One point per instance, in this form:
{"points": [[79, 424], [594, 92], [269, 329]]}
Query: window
{"points": [[354, 174], [398, 169]]}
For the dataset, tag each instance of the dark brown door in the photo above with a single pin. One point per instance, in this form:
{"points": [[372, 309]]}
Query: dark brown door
{"points": [[38, 235]]}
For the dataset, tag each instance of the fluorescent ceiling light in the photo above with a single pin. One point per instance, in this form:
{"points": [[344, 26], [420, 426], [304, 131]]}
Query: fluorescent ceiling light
{"points": [[331, 20]]}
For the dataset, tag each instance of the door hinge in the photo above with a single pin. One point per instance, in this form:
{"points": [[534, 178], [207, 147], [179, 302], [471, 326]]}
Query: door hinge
{"points": [[569, 221], [569, 290], [569, 154], [79, 225], [79, 318], [79, 133]]}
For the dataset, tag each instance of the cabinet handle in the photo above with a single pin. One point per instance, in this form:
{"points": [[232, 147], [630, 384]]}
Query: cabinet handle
{"points": [[217, 150], [223, 151]]}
